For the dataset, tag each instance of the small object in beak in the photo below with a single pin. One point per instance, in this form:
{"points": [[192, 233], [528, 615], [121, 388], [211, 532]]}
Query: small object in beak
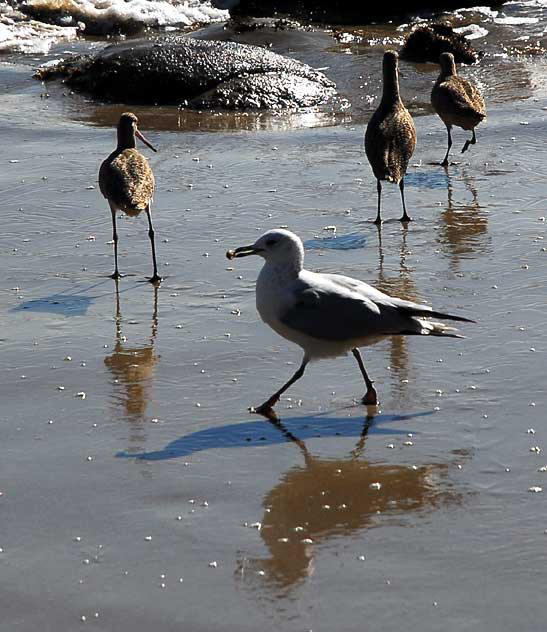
{"points": [[147, 143], [243, 251]]}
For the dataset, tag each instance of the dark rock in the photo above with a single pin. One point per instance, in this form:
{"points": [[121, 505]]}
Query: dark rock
{"points": [[198, 73], [426, 43]]}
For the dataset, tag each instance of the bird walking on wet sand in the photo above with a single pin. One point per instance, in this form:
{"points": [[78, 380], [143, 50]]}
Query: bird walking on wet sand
{"points": [[328, 315], [457, 102], [390, 137], [127, 182]]}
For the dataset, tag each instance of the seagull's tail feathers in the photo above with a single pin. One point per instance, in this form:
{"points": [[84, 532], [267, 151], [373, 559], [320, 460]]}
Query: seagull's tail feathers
{"points": [[431, 328], [443, 316], [429, 313]]}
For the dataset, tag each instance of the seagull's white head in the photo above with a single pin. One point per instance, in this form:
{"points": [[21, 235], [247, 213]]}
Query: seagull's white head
{"points": [[277, 246]]}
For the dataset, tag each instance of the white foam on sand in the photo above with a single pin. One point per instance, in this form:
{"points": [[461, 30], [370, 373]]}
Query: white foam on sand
{"points": [[472, 31], [155, 13], [19, 33], [30, 36]]}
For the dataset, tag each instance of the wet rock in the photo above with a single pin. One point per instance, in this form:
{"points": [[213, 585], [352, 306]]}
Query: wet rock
{"points": [[426, 43], [193, 72]]}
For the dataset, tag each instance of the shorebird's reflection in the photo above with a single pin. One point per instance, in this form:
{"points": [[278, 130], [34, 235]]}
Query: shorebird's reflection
{"points": [[463, 227], [402, 286], [325, 498], [132, 367]]}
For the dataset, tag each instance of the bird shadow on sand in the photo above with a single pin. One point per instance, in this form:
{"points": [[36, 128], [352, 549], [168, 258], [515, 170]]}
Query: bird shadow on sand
{"points": [[68, 303], [265, 432]]}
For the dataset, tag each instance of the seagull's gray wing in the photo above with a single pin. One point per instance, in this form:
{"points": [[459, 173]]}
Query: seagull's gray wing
{"points": [[334, 307], [328, 311], [409, 308]]}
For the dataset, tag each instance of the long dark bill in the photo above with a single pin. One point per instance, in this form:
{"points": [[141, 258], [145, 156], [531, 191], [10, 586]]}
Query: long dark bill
{"points": [[141, 137]]}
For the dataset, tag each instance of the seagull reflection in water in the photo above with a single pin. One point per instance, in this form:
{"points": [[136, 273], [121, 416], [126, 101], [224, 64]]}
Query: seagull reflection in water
{"points": [[324, 499]]}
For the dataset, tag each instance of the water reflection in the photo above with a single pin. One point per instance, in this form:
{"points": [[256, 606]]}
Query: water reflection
{"points": [[173, 118], [402, 286], [463, 228], [132, 368], [329, 498]]}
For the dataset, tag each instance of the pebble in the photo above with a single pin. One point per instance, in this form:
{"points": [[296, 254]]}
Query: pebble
{"points": [[536, 449], [375, 485], [535, 489], [213, 564]]}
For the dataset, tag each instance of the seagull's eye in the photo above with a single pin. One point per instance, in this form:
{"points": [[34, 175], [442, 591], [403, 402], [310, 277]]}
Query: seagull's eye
{"points": [[271, 242]]}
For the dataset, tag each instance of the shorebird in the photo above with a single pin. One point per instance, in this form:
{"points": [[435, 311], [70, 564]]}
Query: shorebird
{"points": [[328, 315], [457, 102], [127, 182], [390, 138]]}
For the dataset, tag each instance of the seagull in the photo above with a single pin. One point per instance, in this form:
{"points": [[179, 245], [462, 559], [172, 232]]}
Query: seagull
{"points": [[457, 102], [127, 182], [328, 315], [390, 138]]}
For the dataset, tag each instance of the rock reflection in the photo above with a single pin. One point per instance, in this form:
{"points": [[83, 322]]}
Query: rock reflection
{"points": [[172, 118], [463, 228], [326, 498], [132, 367]]}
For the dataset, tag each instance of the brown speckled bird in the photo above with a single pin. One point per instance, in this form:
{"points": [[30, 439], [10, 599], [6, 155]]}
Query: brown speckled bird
{"points": [[127, 182], [390, 138], [457, 101]]}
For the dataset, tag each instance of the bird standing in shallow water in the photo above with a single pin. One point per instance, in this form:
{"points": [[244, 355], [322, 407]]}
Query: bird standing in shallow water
{"points": [[390, 138], [127, 182], [457, 102], [329, 314]]}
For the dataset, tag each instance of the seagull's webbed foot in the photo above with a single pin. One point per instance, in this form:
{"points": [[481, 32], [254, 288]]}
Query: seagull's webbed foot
{"points": [[370, 398], [406, 218], [445, 163], [155, 280], [116, 275], [378, 221]]}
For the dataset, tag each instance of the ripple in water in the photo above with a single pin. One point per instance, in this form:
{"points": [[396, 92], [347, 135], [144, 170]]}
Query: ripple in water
{"points": [[351, 241]]}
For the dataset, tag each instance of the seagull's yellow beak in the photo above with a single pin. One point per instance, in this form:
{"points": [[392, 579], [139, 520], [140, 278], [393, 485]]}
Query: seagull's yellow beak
{"points": [[243, 251]]}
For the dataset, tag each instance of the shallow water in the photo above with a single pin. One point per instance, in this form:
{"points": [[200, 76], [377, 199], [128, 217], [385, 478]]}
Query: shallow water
{"points": [[109, 500]]}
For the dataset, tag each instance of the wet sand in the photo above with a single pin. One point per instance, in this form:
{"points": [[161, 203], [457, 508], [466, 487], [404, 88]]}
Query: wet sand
{"points": [[108, 501]]}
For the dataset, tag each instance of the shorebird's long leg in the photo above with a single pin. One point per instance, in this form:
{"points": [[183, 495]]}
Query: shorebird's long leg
{"points": [[472, 141], [444, 163], [405, 217], [155, 277], [272, 401], [115, 274], [370, 398], [378, 219]]}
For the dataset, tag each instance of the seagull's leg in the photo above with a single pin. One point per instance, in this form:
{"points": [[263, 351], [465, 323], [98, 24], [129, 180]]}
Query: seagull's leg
{"points": [[378, 219], [444, 163], [155, 277], [405, 217], [115, 275], [370, 398], [272, 401], [472, 141]]}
